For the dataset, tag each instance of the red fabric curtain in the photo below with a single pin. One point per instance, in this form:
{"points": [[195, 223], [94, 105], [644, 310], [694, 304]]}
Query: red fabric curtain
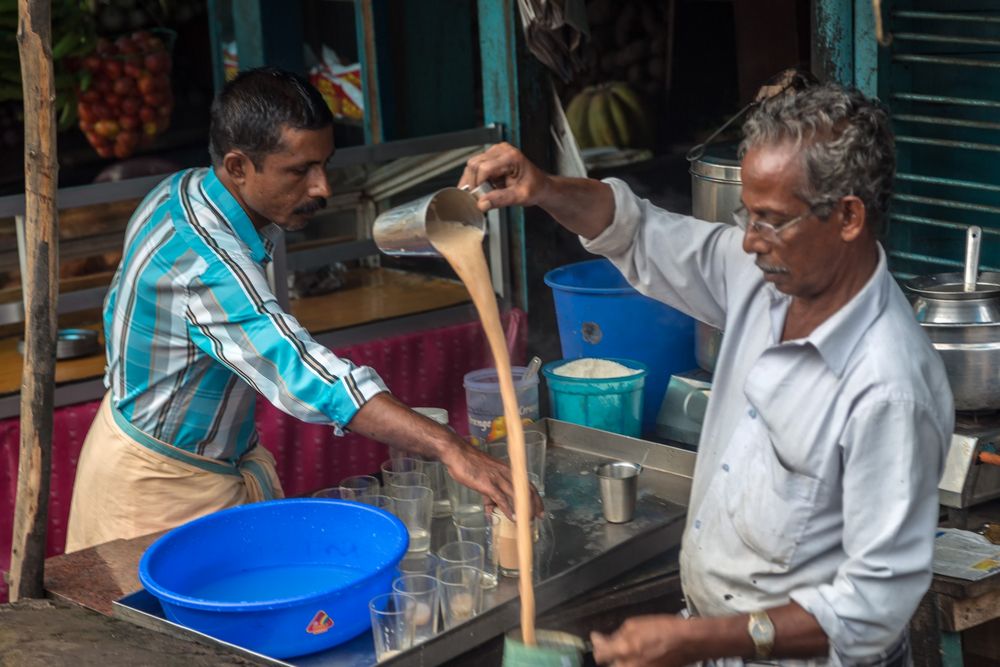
{"points": [[422, 369]]}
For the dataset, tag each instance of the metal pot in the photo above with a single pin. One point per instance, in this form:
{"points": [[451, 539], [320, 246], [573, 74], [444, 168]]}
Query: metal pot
{"points": [[964, 327], [715, 193]]}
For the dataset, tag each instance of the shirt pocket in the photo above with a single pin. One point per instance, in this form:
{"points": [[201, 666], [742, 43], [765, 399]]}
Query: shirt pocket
{"points": [[770, 504]]}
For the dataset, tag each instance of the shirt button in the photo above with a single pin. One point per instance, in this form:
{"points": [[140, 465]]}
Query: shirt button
{"points": [[725, 466], [752, 413], [697, 523]]}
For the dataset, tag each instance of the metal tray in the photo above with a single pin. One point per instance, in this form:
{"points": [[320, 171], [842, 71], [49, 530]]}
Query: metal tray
{"points": [[72, 343], [579, 550]]}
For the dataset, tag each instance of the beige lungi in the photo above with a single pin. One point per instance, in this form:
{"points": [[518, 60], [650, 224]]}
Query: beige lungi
{"points": [[124, 489]]}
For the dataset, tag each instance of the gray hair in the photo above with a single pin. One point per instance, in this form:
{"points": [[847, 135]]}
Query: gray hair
{"points": [[846, 143]]}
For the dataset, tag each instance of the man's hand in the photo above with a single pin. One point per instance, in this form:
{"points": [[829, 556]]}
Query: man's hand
{"points": [[581, 205], [488, 476], [674, 640], [643, 640], [385, 419], [518, 182]]}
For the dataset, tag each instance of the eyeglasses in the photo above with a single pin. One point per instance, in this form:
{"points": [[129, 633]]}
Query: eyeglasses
{"points": [[770, 233]]}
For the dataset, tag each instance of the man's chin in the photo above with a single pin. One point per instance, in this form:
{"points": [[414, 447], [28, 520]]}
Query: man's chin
{"points": [[776, 277], [296, 222]]}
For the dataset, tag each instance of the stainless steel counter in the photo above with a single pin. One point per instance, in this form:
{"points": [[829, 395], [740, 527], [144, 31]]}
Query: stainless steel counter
{"points": [[577, 550]]}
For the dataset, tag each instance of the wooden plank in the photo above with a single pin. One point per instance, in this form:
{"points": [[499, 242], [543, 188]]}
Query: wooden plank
{"points": [[41, 291], [34, 633], [963, 588], [961, 614], [94, 578]]}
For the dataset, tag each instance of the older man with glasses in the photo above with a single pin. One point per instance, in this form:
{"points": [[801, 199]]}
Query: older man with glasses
{"points": [[811, 521]]}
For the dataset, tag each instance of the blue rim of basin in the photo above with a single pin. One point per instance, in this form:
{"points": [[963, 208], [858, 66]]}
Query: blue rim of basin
{"points": [[552, 280], [258, 605]]}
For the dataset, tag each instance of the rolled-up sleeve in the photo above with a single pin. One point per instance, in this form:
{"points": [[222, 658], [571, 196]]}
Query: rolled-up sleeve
{"points": [[682, 261], [893, 452]]}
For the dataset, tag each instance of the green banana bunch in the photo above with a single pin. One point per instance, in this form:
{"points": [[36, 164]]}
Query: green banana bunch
{"points": [[609, 114]]}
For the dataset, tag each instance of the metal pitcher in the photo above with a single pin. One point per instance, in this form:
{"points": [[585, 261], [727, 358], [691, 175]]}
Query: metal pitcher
{"points": [[403, 230]]}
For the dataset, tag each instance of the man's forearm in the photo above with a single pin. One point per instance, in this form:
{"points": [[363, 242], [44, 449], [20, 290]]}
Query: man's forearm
{"points": [[584, 206], [385, 419], [797, 634]]}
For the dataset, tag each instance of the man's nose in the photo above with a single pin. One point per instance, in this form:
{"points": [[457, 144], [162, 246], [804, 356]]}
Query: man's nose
{"points": [[754, 242], [320, 185]]}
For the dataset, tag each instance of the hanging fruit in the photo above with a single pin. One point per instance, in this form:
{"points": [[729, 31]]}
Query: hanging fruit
{"points": [[609, 114], [125, 97], [72, 36]]}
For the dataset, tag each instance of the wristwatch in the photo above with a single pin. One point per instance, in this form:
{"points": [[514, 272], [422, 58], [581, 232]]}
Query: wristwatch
{"points": [[762, 633]]}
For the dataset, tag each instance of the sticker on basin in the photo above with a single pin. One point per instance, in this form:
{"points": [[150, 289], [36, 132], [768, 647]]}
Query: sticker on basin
{"points": [[320, 623]]}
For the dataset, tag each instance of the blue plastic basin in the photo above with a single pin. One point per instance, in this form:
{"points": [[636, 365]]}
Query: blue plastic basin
{"points": [[283, 578]]}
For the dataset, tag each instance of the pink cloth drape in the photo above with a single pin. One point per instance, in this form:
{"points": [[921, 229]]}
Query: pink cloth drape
{"points": [[422, 369]]}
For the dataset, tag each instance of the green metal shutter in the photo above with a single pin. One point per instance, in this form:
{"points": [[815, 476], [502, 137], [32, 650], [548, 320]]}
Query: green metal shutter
{"points": [[941, 79]]}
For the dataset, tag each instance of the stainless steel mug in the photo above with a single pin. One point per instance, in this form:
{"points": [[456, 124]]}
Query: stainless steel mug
{"points": [[619, 483], [403, 230]]}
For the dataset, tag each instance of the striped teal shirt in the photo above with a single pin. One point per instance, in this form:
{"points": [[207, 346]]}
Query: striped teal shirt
{"points": [[194, 331]]}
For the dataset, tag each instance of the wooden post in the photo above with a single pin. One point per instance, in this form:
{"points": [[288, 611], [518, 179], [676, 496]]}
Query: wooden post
{"points": [[41, 290]]}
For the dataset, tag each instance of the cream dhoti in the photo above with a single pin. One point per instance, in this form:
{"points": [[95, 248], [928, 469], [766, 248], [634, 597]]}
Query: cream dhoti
{"points": [[128, 484]]}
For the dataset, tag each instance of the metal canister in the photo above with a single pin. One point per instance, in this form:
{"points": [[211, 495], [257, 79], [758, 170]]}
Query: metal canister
{"points": [[716, 188], [715, 184]]}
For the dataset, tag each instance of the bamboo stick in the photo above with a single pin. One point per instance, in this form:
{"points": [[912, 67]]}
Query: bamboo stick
{"points": [[41, 290]]}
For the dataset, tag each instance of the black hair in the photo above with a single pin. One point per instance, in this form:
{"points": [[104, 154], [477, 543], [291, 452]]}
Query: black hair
{"points": [[254, 108]]}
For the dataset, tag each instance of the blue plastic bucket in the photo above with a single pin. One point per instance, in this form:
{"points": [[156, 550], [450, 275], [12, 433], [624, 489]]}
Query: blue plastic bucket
{"points": [[282, 578], [609, 404], [600, 315]]}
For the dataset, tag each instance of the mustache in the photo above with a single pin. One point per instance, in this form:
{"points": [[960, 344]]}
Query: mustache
{"points": [[768, 268], [317, 204]]}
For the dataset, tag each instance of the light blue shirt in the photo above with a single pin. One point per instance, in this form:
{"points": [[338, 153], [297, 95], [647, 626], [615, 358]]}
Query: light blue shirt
{"points": [[194, 330], [819, 459]]}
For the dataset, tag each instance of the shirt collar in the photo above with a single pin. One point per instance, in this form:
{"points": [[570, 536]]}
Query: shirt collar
{"points": [[237, 217], [836, 338]]}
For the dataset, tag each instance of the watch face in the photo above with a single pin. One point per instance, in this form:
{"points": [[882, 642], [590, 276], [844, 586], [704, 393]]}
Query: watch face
{"points": [[762, 633]]}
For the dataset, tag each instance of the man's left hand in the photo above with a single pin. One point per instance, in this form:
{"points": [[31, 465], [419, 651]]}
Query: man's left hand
{"points": [[643, 640]]}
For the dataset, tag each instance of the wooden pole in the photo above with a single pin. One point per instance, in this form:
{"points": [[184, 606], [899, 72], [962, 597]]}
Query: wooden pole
{"points": [[40, 286]]}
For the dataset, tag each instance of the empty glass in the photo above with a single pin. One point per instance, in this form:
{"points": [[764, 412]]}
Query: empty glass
{"points": [[351, 488], [418, 563], [480, 528], [463, 499], [412, 504], [379, 501], [392, 623], [534, 449], [437, 474], [424, 589], [408, 479], [333, 492], [460, 553], [401, 464], [461, 594]]}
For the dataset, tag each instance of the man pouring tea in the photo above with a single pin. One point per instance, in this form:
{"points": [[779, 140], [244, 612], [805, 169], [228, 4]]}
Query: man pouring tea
{"points": [[811, 520]]}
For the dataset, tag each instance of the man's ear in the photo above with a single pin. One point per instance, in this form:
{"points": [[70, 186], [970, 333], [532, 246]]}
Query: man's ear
{"points": [[852, 218], [237, 165]]}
